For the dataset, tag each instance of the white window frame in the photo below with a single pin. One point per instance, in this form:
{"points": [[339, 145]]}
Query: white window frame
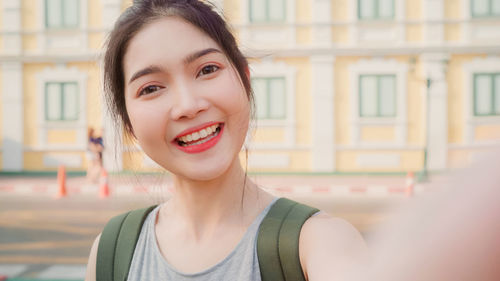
{"points": [[399, 121], [62, 74], [471, 121], [267, 20], [382, 29], [62, 27], [269, 106], [484, 30], [268, 34], [480, 17], [271, 69], [57, 41], [394, 4]]}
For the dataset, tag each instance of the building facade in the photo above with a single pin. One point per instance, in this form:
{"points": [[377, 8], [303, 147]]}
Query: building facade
{"points": [[341, 86]]}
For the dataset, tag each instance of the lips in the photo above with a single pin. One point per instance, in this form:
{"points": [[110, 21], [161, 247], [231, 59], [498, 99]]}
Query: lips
{"points": [[200, 138]]}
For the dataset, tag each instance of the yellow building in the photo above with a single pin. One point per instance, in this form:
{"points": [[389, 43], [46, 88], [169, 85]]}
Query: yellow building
{"points": [[341, 85]]}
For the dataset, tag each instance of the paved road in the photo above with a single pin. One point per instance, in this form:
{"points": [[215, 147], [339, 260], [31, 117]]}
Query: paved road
{"points": [[43, 237]]}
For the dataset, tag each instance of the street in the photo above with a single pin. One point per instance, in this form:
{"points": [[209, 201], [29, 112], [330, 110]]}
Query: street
{"points": [[46, 238]]}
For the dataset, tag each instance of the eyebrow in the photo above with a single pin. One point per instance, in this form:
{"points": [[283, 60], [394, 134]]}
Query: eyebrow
{"points": [[196, 55], [189, 59]]}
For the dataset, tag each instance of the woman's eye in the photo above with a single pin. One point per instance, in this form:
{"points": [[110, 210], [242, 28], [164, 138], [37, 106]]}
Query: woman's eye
{"points": [[208, 69], [149, 89]]}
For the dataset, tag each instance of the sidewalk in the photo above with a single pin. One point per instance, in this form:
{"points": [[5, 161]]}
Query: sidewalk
{"points": [[136, 185], [28, 272], [32, 221]]}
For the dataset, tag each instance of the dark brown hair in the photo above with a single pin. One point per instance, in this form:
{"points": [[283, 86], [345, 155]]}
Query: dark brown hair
{"points": [[200, 14]]}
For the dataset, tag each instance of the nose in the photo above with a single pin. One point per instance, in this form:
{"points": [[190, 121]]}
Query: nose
{"points": [[188, 103]]}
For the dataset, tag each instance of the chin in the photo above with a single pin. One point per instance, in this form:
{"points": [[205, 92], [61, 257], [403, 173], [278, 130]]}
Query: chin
{"points": [[202, 172]]}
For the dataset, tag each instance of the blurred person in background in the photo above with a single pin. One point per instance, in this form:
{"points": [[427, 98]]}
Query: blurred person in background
{"points": [[95, 148]]}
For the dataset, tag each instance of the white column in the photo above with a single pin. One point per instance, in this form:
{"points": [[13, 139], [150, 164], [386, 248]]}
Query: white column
{"points": [[110, 12], [433, 11], [13, 113], [321, 16], [437, 113], [11, 22], [323, 105]]}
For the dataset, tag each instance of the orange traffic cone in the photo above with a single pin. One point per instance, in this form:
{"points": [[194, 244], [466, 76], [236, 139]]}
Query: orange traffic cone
{"points": [[104, 188], [410, 184], [61, 182]]}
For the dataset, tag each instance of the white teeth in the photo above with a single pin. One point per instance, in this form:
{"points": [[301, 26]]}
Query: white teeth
{"points": [[196, 136], [199, 137], [203, 133]]}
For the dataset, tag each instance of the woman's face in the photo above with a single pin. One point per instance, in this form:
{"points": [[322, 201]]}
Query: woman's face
{"points": [[186, 103]]}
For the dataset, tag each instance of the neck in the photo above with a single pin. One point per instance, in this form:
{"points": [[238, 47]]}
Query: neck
{"points": [[201, 206]]}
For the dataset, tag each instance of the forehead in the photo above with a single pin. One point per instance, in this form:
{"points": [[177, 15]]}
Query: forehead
{"points": [[166, 40]]}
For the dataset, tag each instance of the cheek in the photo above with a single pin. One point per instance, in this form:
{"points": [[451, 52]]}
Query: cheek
{"points": [[145, 122], [231, 96]]}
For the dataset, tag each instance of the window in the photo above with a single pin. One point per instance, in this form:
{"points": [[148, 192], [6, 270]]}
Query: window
{"points": [[486, 94], [270, 97], [377, 95], [485, 8], [61, 101], [375, 9], [61, 13], [267, 10]]}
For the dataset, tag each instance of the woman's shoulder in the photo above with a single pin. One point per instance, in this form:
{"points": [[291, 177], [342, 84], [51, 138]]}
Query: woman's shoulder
{"points": [[329, 245]]}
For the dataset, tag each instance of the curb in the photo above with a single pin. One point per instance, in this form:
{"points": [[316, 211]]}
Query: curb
{"points": [[133, 190]]}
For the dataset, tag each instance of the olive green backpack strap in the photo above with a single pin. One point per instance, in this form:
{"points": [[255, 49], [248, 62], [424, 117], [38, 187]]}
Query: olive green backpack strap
{"points": [[278, 241], [117, 244]]}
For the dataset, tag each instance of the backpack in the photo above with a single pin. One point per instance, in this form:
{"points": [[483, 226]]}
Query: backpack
{"points": [[277, 242]]}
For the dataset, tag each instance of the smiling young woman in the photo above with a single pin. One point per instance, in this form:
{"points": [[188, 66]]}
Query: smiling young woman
{"points": [[177, 82]]}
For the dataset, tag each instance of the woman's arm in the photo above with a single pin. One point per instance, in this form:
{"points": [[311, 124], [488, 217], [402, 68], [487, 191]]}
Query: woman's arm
{"points": [[91, 265], [330, 248]]}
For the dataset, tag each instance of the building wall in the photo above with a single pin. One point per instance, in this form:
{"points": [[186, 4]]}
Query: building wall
{"points": [[300, 50]]}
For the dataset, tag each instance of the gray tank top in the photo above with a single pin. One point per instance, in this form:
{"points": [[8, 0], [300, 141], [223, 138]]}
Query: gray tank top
{"points": [[241, 264]]}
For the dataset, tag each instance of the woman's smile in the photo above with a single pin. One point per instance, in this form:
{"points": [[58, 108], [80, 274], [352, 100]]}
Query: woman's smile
{"points": [[200, 138]]}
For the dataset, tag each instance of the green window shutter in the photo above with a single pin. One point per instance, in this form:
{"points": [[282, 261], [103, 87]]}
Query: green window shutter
{"points": [[276, 10], [71, 13], [495, 7], [259, 86], [53, 99], [277, 98], [61, 101], [387, 96], [377, 96], [485, 8], [62, 13], [368, 96], [267, 10], [70, 101], [270, 96], [385, 9], [366, 9], [53, 14], [483, 94], [375, 9], [496, 93]]}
